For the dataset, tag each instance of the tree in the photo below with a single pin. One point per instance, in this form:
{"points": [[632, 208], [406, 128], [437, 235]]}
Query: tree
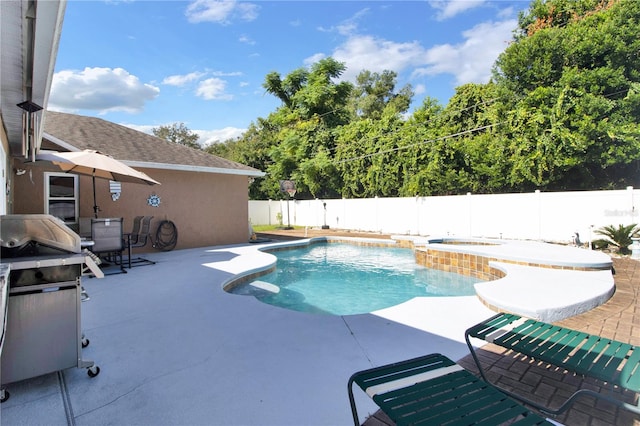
{"points": [[562, 112], [367, 155], [252, 149], [312, 92], [314, 104], [177, 133], [368, 149], [574, 111], [374, 92]]}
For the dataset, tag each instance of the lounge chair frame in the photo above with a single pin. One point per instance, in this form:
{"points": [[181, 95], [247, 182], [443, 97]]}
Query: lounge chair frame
{"points": [[613, 362], [433, 389], [138, 237]]}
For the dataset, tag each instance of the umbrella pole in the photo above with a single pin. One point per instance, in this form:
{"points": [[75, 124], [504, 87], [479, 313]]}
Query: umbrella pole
{"points": [[95, 205]]}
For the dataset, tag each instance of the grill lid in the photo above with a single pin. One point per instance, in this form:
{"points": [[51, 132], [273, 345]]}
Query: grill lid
{"points": [[32, 230]]}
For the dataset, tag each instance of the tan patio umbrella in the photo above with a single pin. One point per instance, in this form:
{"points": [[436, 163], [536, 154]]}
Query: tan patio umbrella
{"points": [[96, 165]]}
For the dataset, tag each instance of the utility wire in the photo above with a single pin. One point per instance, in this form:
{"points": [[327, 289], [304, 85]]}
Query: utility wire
{"points": [[441, 116], [453, 135]]}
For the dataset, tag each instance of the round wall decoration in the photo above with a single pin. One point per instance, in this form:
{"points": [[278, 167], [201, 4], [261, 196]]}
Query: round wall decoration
{"points": [[153, 200]]}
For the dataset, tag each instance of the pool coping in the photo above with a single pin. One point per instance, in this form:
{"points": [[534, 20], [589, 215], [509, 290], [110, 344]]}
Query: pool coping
{"points": [[544, 281]]}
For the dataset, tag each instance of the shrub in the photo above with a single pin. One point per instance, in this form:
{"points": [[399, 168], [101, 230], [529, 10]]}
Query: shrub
{"points": [[600, 244], [619, 237]]}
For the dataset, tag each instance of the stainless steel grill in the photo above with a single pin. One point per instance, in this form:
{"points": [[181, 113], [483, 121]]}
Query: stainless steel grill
{"points": [[43, 260]]}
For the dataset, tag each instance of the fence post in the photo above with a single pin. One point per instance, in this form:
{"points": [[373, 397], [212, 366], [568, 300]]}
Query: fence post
{"points": [[417, 207], [633, 207], [539, 199], [470, 213]]}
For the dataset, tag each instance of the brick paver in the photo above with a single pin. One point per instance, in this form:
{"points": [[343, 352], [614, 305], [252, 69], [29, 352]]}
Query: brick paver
{"points": [[618, 318]]}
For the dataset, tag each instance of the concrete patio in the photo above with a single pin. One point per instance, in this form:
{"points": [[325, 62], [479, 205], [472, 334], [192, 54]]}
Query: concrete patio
{"points": [[175, 349]]}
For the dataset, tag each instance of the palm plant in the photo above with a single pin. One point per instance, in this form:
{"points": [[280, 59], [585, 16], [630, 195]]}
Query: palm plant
{"points": [[620, 236]]}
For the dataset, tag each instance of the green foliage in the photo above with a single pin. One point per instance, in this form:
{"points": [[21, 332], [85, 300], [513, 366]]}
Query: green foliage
{"points": [[619, 237], [252, 149], [374, 92], [562, 112], [600, 244], [177, 133], [574, 72]]}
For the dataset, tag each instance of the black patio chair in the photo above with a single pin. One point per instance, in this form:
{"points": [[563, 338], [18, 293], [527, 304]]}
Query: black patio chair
{"points": [[138, 237], [108, 240]]}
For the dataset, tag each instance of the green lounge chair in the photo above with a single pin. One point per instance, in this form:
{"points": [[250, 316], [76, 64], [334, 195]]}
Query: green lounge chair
{"points": [[433, 390], [610, 361]]}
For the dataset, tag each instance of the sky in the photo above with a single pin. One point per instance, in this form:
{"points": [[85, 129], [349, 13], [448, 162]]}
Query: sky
{"points": [[145, 63]]}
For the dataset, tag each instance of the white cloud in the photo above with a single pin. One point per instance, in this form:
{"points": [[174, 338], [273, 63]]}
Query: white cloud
{"points": [[506, 13], [247, 40], [227, 74], [248, 11], [348, 26], [468, 61], [419, 89], [209, 89], [376, 55], [450, 8], [471, 60], [220, 11], [100, 89], [314, 58], [208, 137], [205, 137], [213, 89], [181, 80], [141, 128]]}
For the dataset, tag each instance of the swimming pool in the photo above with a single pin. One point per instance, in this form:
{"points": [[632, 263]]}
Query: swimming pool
{"points": [[346, 279]]}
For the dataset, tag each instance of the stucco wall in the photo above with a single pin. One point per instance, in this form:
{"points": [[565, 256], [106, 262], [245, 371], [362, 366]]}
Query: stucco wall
{"points": [[207, 208], [28, 188]]}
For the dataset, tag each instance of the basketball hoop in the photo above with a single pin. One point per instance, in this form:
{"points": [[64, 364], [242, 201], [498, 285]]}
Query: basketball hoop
{"points": [[289, 187]]}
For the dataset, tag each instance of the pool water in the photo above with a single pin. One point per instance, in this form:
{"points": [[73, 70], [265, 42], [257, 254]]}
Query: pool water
{"points": [[345, 279]]}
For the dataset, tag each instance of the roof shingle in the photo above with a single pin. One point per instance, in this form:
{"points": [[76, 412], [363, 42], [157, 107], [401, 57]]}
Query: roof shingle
{"points": [[126, 144]]}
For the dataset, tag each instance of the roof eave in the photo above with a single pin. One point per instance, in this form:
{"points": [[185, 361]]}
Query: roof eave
{"points": [[165, 166], [28, 61], [59, 142], [188, 168]]}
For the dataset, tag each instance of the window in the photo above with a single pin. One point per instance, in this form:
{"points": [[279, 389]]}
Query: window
{"points": [[61, 196]]}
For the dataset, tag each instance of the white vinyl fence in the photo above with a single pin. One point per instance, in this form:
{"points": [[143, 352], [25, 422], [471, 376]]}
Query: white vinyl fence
{"points": [[545, 216]]}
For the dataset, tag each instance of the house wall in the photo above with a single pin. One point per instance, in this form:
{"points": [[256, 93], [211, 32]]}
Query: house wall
{"points": [[207, 208], [28, 188]]}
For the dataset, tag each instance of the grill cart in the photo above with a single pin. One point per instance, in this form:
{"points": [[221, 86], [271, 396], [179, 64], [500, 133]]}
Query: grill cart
{"points": [[41, 304]]}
